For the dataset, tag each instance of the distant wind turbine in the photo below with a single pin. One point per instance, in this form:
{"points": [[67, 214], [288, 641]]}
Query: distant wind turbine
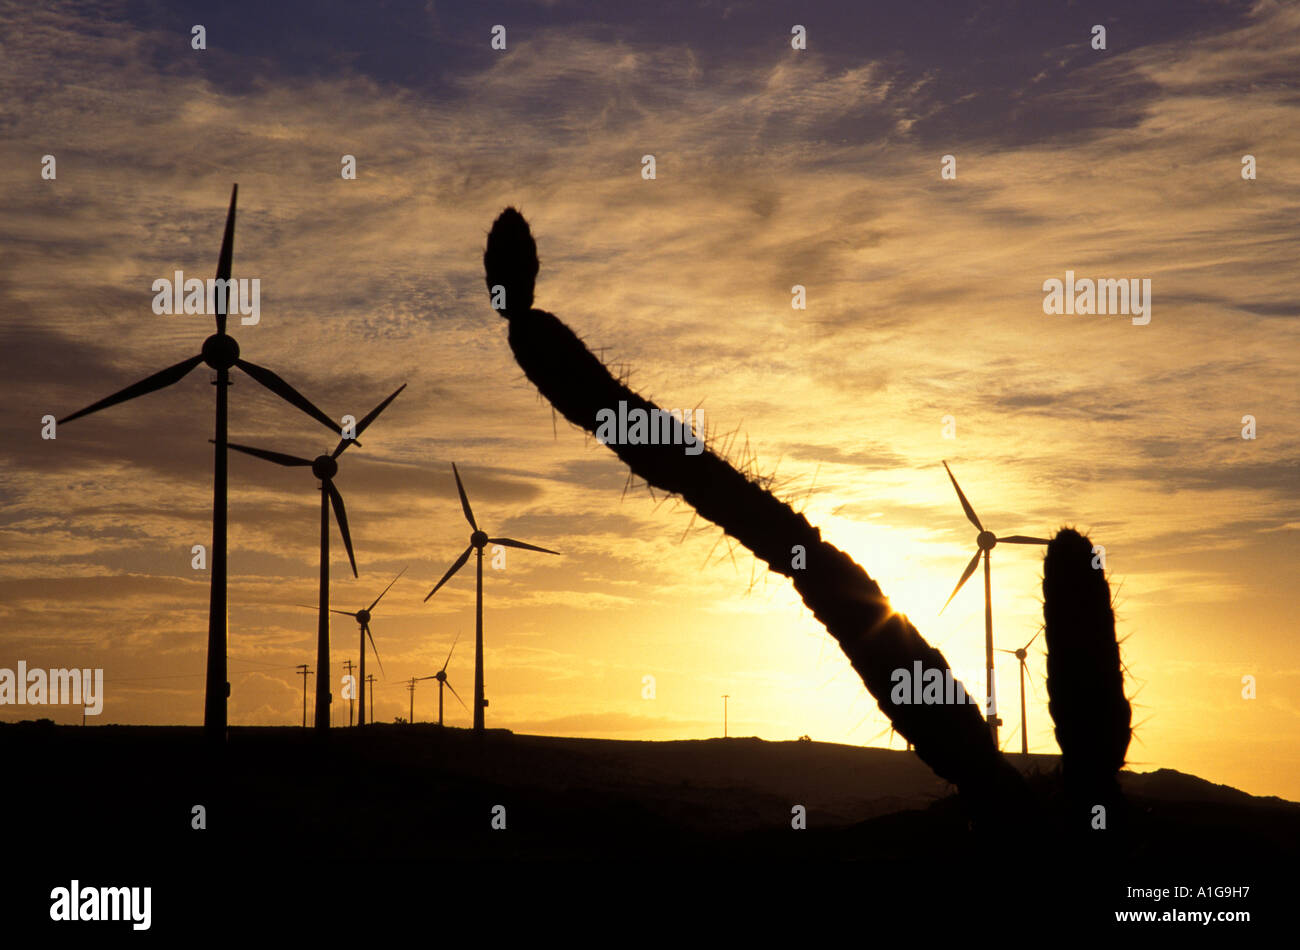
{"points": [[325, 467], [362, 617], [441, 677], [221, 352], [985, 541], [477, 541], [1020, 655]]}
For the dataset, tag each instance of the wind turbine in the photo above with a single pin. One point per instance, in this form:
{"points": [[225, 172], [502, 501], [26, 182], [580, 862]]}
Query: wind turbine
{"points": [[362, 618], [441, 677], [1020, 655], [985, 542], [477, 541], [221, 352], [325, 467]]}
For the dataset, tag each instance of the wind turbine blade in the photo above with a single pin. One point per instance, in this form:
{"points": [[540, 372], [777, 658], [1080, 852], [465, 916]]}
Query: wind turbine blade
{"points": [[1022, 539], [1029, 676], [366, 628], [457, 695], [1033, 638], [970, 512], [386, 590], [1000, 650], [464, 499], [370, 417], [965, 576], [153, 383], [449, 653], [460, 562], [286, 392], [511, 543], [279, 458], [227, 253], [346, 613], [341, 516]]}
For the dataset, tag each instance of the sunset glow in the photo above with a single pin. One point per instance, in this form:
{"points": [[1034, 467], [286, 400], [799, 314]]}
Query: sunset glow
{"points": [[924, 300]]}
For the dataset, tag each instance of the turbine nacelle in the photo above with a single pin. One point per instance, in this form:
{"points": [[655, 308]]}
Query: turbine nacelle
{"points": [[479, 539], [363, 616], [324, 467], [220, 351], [986, 540]]}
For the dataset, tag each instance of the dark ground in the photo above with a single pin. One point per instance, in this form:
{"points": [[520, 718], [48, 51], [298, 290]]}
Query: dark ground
{"points": [[394, 821]]}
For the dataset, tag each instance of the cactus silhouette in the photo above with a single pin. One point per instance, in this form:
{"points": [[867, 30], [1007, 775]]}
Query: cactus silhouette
{"points": [[953, 739], [1085, 683]]}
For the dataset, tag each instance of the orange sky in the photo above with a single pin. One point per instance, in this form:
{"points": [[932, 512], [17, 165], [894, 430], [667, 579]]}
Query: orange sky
{"points": [[774, 168]]}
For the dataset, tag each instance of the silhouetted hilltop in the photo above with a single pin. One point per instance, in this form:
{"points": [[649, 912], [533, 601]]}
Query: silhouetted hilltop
{"points": [[713, 785], [1172, 785], [419, 802]]}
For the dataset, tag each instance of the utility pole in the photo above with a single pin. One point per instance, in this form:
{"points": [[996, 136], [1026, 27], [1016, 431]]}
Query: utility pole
{"points": [[304, 673], [411, 686], [370, 680], [725, 697], [347, 665]]}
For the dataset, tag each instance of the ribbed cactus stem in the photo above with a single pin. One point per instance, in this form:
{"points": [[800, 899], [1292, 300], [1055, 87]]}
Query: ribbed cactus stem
{"points": [[952, 739], [1085, 683]]}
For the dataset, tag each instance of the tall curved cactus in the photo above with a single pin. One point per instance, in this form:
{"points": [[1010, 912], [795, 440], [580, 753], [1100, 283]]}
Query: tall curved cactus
{"points": [[953, 739]]}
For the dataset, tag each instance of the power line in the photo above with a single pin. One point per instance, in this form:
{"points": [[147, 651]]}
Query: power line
{"points": [[173, 676]]}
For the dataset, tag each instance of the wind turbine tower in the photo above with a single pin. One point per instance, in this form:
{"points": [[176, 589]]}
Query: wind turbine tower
{"points": [[1020, 655], [221, 353], [478, 540], [441, 677], [325, 467], [985, 542]]}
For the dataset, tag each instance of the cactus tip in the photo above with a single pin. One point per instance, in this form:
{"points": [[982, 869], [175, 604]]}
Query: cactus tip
{"points": [[510, 261]]}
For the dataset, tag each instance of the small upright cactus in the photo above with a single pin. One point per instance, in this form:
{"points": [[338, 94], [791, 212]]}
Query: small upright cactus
{"points": [[1085, 683]]}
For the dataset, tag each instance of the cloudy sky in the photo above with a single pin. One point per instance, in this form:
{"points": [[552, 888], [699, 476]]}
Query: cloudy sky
{"points": [[774, 167]]}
